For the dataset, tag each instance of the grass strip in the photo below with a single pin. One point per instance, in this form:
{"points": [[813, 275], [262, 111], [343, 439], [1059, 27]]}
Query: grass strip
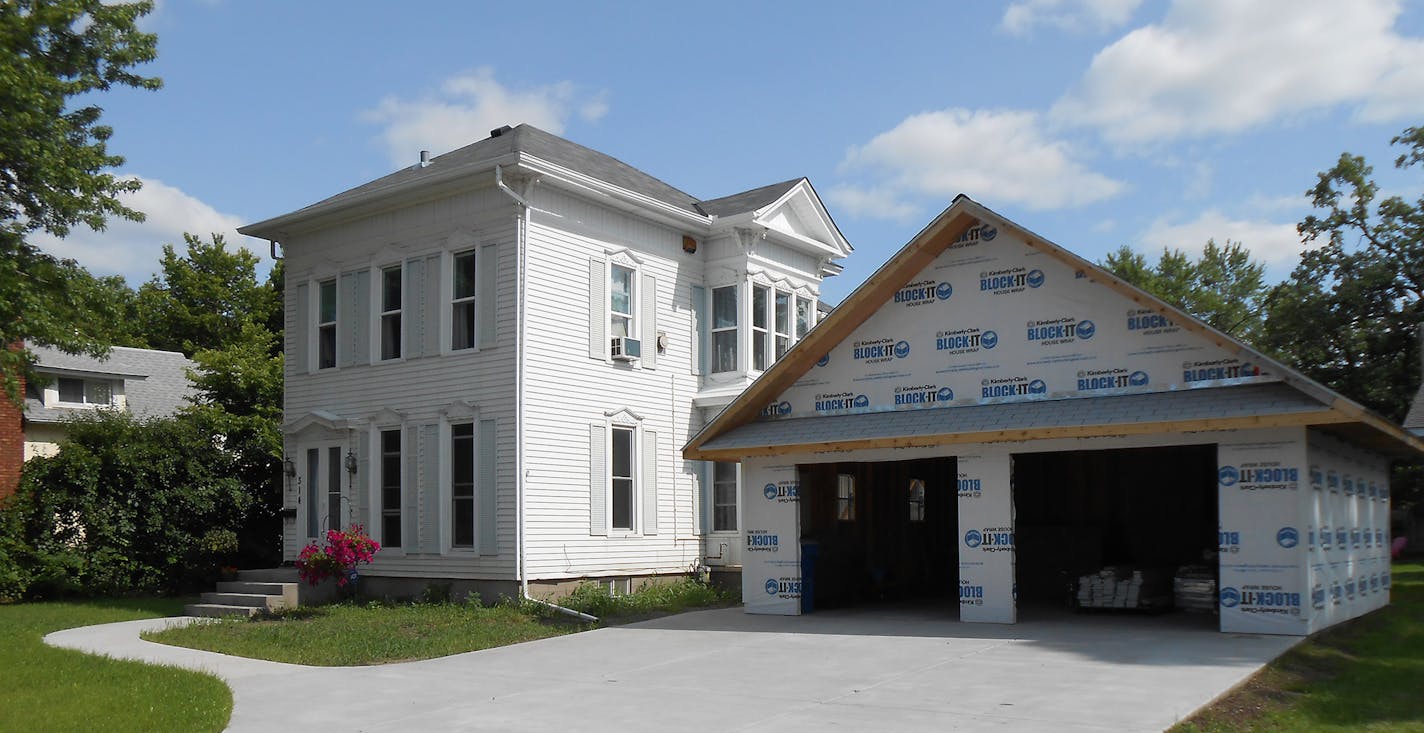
{"points": [[47, 689], [1363, 675]]}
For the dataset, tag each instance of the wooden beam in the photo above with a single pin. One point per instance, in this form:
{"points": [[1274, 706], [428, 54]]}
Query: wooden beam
{"points": [[1297, 419]]}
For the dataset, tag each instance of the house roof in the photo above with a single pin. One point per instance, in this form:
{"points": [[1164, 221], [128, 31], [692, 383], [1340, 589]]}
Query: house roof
{"points": [[1414, 420], [927, 245], [155, 382], [507, 145]]}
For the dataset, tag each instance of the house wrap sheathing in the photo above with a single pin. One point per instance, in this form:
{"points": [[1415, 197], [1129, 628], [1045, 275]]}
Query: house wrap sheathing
{"points": [[983, 351]]}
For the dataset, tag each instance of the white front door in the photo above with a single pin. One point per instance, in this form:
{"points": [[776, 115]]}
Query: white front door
{"points": [[322, 496]]}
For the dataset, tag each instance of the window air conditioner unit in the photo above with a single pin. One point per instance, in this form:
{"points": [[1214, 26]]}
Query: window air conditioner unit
{"points": [[626, 349]]}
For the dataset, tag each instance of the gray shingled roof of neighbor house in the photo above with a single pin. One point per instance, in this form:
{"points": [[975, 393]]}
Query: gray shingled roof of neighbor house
{"points": [[155, 382], [1157, 407], [554, 149], [1414, 421]]}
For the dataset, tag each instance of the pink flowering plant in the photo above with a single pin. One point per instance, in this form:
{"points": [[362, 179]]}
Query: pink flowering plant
{"points": [[345, 549]]}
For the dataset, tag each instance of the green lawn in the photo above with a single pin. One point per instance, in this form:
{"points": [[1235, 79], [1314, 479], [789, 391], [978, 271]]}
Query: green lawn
{"points": [[351, 634], [1365, 675], [47, 689]]}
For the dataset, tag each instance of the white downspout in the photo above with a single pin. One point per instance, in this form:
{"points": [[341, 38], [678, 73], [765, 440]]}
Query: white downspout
{"points": [[521, 239]]}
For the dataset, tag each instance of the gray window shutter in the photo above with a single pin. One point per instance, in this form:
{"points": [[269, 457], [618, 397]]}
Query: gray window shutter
{"points": [[486, 272], [346, 320], [430, 460], [434, 306], [413, 310], [649, 308], [361, 484], [301, 344], [699, 329], [361, 354], [411, 490], [650, 482], [488, 489], [597, 309], [705, 474], [597, 481]]}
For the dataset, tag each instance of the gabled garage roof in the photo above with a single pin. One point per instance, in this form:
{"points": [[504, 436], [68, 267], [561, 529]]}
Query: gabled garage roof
{"points": [[1297, 400]]}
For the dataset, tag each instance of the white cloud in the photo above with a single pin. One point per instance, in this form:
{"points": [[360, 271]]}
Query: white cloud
{"points": [[872, 203], [133, 249], [469, 105], [1220, 66], [1070, 15], [1276, 245], [995, 156]]}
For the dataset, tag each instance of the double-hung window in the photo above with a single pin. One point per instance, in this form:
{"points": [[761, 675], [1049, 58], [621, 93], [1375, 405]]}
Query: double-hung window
{"points": [[620, 301], [326, 325], [724, 329], [391, 488], [462, 484], [783, 322], [804, 306], [462, 303], [724, 497], [391, 313], [621, 476], [760, 332]]}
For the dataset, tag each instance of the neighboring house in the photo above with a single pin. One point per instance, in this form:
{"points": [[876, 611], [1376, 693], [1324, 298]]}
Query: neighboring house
{"points": [[144, 382], [494, 355], [990, 418]]}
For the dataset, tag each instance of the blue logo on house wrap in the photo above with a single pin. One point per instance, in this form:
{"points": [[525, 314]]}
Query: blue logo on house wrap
{"points": [[823, 360], [987, 232], [1227, 476], [770, 491], [1037, 386], [945, 394], [972, 538], [902, 349], [1086, 329], [943, 291], [1230, 597], [1138, 379], [988, 339], [861, 401], [1288, 537], [772, 586], [1035, 278]]}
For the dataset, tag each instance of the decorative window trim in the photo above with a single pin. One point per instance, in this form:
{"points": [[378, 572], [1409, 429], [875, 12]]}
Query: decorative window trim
{"points": [[735, 328], [624, 420]]}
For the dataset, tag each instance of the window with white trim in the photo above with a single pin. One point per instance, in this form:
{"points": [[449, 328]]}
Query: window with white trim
{"points": [[390, 528], [462, 484], [761, 333], [462, 302], [724, 329], [621, 301], [622, 478], [75, 391], [391, 301], [724, 497], [805, 308], [783, 322], [326, 324]]}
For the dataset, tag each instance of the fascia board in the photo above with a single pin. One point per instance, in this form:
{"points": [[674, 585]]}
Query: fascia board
{"points": [[646, 205]]}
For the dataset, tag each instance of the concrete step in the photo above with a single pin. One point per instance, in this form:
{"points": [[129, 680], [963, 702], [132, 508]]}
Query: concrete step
{"points": [[254, 600], [269, 575], [218, 610], [288, 591]]}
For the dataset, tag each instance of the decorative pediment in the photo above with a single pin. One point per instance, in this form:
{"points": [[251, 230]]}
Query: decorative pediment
{"points": [[389, 254], [386, 416], [623, 416], [624, 257], [800, 217], [318, 419], [460, 410]]}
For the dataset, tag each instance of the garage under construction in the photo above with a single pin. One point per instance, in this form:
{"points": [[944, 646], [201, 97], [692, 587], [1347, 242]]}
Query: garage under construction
{"points": [[994, 422]]}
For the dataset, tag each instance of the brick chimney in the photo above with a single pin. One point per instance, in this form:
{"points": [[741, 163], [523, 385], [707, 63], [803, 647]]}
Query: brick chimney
{"points": [[12, 441]]}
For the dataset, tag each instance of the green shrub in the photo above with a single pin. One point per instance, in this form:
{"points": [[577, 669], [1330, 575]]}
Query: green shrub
{"points": [[126, 505], [596, 599]]}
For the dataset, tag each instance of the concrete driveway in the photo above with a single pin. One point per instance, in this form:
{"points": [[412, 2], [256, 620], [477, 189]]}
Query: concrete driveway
{"points": [[901, 669]]}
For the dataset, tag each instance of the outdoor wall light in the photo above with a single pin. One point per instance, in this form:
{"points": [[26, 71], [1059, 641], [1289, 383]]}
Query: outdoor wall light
{"points": [[289, 468], [350, 462]]}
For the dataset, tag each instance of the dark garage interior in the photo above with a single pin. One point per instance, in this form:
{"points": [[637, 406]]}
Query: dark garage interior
{"points": [[1079, 512], [879, 531]]}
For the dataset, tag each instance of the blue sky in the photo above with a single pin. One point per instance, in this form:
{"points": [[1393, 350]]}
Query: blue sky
{"points": [[1095, 123]]}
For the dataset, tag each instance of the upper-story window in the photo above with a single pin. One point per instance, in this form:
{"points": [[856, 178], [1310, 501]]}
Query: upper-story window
{"points": [[620, 300], [761, 333], [391, 312], [783, 322], [326, 325], [805, 307], [76, 391], [724, 329], [462, 303]]}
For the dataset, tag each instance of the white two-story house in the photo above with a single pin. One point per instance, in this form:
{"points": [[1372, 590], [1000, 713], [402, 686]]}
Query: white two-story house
{"points": [[494, 356]]}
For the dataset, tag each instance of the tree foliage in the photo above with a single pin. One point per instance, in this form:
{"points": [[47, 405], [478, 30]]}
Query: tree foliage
{"points": [[1223, 287], [126, 505], [205, 298], [54, 166]]}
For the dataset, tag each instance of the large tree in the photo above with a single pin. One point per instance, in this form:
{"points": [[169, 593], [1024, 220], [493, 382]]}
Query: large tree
{"points": [[205, 297], [1223, 286], [55, 166]]}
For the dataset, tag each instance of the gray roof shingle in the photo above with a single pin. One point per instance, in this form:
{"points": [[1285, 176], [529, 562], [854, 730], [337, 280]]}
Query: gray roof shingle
{"points": [[155, 382], [1194, 404], [751, 200]]}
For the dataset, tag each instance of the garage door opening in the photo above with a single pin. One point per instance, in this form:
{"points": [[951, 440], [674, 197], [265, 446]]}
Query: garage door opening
{"points": [[880, 531], [1110, 514]]}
